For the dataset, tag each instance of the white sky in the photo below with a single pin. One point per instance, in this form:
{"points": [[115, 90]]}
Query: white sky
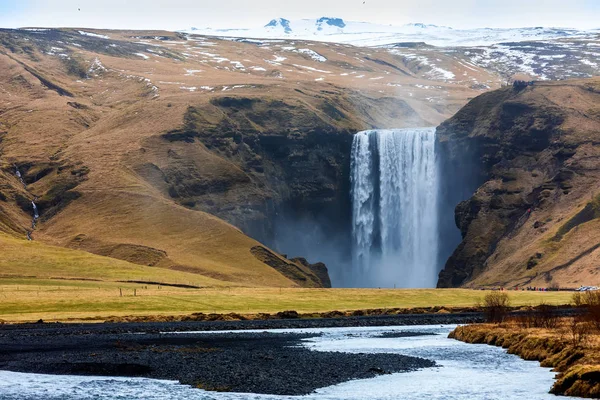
{"points": [[182, 14]]}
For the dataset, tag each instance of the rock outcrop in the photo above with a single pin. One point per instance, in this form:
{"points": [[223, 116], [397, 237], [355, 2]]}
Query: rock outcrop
{"points": [[259, 158], [530, 155]]}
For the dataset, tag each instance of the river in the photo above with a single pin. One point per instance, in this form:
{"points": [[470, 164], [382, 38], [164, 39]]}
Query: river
{"points": [[464, 371]]}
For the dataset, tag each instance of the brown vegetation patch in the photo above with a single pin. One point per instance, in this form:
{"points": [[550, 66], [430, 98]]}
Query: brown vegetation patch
{"points": [[575, 356]]}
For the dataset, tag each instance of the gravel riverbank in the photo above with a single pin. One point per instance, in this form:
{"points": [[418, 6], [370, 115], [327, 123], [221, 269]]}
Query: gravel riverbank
{"points": [[252, 362]]}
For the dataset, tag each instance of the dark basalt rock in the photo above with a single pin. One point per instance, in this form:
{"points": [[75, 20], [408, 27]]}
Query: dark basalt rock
{"points": [[318, 268], [238, 362]]}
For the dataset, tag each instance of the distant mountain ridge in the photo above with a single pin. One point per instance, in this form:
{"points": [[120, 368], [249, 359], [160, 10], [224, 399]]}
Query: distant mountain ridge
{"points": [[280, 22], [333, 29]]}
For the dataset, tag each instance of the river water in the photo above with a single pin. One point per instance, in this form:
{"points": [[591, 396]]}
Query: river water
{"points": [[465, 371]]}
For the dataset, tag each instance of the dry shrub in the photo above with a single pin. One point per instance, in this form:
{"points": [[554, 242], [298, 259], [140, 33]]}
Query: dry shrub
{"points": [[577, 299], [544, 316], [580, 329], [591, 301], [496, 306], [288, 314]]}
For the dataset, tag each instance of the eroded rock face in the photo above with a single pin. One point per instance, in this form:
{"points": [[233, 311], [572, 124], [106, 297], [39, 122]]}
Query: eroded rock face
{"points": [[261, 165], [319, 269], [526, 153], [265, 157], [297, 270]]}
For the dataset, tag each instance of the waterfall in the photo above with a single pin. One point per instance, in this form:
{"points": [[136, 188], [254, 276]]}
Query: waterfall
{"points": [[36, 215], [20, 177], [394, 208]]}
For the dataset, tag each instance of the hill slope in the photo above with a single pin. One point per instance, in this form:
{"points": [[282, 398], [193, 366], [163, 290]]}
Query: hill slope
{"points": [[534, 218], [172, 150], [23, 259], [156, 147]]}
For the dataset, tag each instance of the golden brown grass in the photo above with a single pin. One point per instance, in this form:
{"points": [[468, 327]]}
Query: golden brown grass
{"points": [[572, 348], [31, 299], [35, 260], [55, 283]]}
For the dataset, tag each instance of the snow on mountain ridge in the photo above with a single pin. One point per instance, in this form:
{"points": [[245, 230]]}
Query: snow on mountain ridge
{"points": [[280, 23], [330, 21], [331, 29]]}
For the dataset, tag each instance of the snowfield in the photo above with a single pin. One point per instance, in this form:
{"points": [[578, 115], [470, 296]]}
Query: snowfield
{"points": [[367, 34]]}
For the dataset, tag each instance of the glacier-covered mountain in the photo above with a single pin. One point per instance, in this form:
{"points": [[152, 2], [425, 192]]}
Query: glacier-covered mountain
{"points": [[330, 29]]}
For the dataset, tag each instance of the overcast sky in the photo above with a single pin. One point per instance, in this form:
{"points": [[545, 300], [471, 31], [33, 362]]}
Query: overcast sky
{"points": [[182, 14]]}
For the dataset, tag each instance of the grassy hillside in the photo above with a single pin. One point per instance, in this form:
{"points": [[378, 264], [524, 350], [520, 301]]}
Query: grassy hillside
{"points": [[22, 259], [126, 142], [535, 221]]}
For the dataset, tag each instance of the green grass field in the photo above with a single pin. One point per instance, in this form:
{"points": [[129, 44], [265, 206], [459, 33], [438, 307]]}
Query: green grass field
{"points": [[27, 299]]}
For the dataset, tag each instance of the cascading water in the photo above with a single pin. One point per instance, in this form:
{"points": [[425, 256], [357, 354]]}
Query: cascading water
{"points": [[394, 208], [20, 177], [35, 211], [36, 214]]}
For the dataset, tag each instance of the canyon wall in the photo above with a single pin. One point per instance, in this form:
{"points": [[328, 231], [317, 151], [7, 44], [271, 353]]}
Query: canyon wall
{"points": [[530, 155]]}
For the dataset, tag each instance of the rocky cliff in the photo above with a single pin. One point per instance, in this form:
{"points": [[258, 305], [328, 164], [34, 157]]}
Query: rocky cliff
{"points": [[530, 157], [260, 154]]}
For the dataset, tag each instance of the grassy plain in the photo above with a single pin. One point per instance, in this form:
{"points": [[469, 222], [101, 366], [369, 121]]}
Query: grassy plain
{"points": [[29, 299], [59, 284]]}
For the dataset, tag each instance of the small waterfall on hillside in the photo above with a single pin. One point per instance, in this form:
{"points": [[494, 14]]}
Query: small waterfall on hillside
{"points": [[394, 208], [20, 177], [36, 215]]}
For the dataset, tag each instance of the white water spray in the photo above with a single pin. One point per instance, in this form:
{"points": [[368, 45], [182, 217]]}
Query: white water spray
{"points": [[394, 208]]}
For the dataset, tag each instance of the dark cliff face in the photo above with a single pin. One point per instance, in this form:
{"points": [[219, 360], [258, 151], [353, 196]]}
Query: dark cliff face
{"points": [[266, 161], [510, 159]]}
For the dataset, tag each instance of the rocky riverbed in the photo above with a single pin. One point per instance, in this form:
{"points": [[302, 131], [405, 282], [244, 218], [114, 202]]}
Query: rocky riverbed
{"points": [[248, 362]]}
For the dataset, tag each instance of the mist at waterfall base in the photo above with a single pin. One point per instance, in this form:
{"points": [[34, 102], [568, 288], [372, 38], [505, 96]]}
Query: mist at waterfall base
{"points": [[318, 237]]}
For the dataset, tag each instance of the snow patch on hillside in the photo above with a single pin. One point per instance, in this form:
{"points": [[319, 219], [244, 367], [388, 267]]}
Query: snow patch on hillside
{"points": [[312, 54], [93, 35]]}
